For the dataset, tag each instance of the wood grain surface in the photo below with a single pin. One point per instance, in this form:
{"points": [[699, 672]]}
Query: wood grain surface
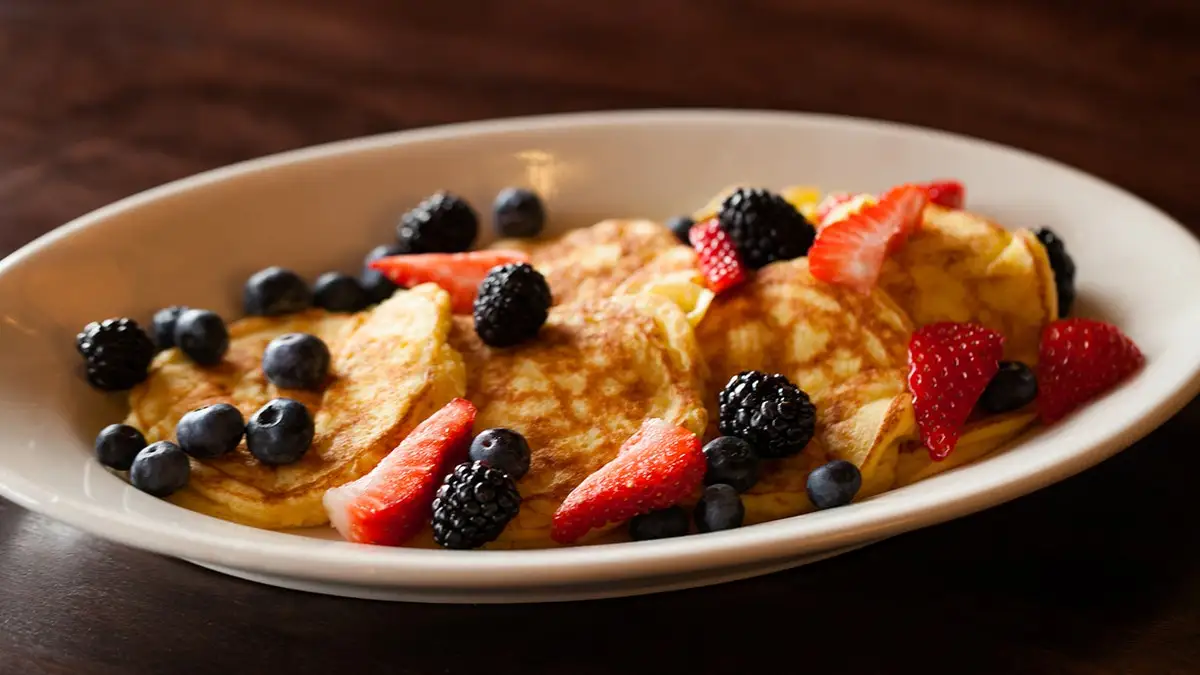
{"points": [[1099, 574]]}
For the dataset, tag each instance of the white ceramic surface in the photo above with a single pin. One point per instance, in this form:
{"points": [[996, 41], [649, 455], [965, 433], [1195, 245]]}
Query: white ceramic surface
{"points": [[194, 242]]}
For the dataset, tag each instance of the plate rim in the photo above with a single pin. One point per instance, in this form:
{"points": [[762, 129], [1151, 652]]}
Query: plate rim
{"points": [[283, 554]]}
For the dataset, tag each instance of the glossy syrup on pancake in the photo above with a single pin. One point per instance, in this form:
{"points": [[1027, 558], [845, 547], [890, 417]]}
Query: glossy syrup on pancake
{"points": [[594, 373], [391, 368]]}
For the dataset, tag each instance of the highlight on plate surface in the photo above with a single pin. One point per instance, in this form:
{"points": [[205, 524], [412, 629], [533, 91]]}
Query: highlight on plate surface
{"points": [[772, 353]]}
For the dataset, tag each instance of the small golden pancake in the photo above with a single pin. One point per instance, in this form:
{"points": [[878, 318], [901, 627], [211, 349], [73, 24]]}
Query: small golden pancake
{"points": [[391, 368], [979, 439], [959, 266], [579, 390], [592, 262], [847, 351]]}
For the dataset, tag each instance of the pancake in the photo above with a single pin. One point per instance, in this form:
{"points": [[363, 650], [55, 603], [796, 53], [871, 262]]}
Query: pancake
{"points": [[847, 351], [592, 262], [959, 266], [578, 391], [391, 368], [979, 439]]}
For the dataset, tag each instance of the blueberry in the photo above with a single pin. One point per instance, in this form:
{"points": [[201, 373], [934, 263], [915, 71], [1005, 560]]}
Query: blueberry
{"points": [[720, 508], [160, 469], [280, 432], [275, 291], [164, 325], [117, 445], [339, 292], [833, 484], [518, 213], [211, 431], [296, 361], [377, 285], [503, 449], [382, 251], [202, 335], [731, 461], [680, 226], [1013, 386], [669, 522]]}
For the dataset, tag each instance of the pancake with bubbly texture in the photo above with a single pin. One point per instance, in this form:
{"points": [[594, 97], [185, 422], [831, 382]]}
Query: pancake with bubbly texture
{"points": [[846, 350], [391, 368], [592, 262], [579, 390], [959, 266]]}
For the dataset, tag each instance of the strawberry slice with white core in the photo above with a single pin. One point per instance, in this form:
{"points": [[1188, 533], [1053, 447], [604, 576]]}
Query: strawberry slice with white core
{"points": [[459, 274], [394, 500], [850, 252]]}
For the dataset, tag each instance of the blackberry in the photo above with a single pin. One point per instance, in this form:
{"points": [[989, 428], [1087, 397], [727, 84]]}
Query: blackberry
{"points": [[1063, 266], [765, 227], [442, 223], [767, 411], [117, 353], [512, 304], [473, 505]]}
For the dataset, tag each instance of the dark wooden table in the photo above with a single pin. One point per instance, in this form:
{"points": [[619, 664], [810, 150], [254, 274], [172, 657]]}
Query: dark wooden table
{"points": [[1100, 574]]}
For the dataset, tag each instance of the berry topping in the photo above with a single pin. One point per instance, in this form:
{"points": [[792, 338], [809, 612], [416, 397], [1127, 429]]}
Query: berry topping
{"points": [[280, 432], [374, 282], [716, 256], [767, 411], [1012, 387], [764, 227], [660, 465], [116, 352], [473, 505], [833, 484], [661, 524], [117, 445], [211, 431], [731, 461], [202, 335], [275, 291], [850, 251], [948, 193], [518, 213], [395, 500], [841, 205], [296, 361], [1078, 360], [1063, 266], [832, 201], [459, 274], [504, 449], [442, 223], [164, 325], [512, 305], [720, 508], [949, 366], [680, 226], [337, 292], [160, 469]]}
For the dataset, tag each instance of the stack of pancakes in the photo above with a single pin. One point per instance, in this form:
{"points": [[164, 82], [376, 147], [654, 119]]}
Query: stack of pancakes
{"points": [[614, 352]]}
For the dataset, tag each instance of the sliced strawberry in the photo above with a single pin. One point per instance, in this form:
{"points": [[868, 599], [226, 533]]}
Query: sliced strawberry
{"points": [[657, 467], [459, 274], [832, 201], [718, 257], [851, 251], [948, 193], [949, 366], [1078, 360], [394, 501]]}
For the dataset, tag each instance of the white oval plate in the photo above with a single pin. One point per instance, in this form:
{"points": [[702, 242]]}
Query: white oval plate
{"points": [[194, 241]]}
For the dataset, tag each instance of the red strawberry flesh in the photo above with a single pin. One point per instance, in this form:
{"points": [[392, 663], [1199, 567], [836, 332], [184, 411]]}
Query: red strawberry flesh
{"points": [[660, 465], [851, 251], [459, 274], [1078, 360], [394, 500], [717, 256], [950, 364], [948, 193]]}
